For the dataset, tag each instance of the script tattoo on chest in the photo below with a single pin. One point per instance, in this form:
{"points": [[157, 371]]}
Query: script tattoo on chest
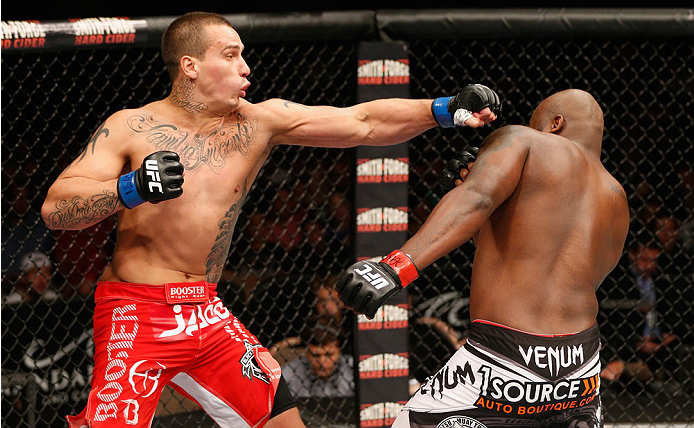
{"points": [[213, 149], [220, 249]]}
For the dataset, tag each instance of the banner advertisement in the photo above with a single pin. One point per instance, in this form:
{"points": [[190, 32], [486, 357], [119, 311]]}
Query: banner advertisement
{"points": [[382, 221]]}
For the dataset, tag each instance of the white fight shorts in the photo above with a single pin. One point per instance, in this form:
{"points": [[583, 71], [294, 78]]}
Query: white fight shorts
{"points": [[503, 377]]}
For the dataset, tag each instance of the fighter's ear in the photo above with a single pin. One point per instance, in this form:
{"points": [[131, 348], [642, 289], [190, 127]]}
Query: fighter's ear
{"points": [[189, 66], [557, 124]]}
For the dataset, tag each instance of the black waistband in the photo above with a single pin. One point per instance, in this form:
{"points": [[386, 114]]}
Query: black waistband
{"points": [[552, 357]]}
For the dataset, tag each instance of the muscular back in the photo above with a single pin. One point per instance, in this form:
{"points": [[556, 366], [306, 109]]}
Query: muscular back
{"points": [[544, 250]]}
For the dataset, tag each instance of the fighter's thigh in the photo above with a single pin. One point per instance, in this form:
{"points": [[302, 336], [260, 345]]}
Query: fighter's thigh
{"points": [[131, 366], [233, 378], [126, 403]]}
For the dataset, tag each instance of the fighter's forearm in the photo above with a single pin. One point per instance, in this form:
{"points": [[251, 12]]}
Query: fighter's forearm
{"points": [[392, 121], [77, 203]]}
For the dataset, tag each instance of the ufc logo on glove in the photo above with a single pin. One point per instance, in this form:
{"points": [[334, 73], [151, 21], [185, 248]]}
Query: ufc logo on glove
{"points": [[152, 168], [366, 285], [375, 279]]}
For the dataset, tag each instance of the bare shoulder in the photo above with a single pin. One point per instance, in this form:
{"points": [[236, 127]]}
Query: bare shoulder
{"points": [[279, 104], [517, 136], [276, 110], [276, 116], [127, 120]]}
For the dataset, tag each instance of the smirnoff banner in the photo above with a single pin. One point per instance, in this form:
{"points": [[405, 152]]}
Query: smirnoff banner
{"points": [[381, 213]]}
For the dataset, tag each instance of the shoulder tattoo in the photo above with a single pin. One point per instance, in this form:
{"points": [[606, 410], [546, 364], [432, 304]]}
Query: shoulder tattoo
{"points": [[618, 190], [493, 143], [102, 131]]}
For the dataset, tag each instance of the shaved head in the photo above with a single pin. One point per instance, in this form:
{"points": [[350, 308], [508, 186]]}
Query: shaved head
{"points": [[187, 35], [573, 114], [573, 104]]}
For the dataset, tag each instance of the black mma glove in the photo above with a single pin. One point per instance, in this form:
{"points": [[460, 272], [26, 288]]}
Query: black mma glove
{"points": [[451, 172], [366, 285], [454, 111], [159, 178]]}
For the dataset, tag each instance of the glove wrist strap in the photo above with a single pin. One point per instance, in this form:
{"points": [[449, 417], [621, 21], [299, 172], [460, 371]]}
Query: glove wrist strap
{"points": [[127, 191], [439, 108], [403, 266]]}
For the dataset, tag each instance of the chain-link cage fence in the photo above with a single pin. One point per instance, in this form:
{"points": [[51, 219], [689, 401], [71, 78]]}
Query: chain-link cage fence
{"points": [[645, 89], [294, 234]]}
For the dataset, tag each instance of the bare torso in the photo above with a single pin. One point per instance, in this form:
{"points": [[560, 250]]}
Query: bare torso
{"points": [[187, 238], [545, 250]]}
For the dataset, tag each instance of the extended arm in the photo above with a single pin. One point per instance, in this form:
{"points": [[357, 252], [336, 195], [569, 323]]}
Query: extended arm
{"points": [[463, 210], [378, 122]]}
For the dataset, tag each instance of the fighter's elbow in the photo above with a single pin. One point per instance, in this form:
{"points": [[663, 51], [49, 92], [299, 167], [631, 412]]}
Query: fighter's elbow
{"points": [[48, 213], [475, 202]]}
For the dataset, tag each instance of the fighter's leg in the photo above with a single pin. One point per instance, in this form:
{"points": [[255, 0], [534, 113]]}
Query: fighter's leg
{"points": [[403, 420], [284, 410], [234, 378], [289, 419], [131, 367]]}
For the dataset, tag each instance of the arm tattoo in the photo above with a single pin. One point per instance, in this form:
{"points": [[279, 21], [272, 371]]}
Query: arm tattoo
{"points": [[492, 145], [99, 132], [212, 150], [82, 212], [220, 249], [615, 188], [182, 96]]}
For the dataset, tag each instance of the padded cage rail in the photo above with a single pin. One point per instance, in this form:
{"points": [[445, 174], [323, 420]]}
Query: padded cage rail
{"points": [[61, 79]]}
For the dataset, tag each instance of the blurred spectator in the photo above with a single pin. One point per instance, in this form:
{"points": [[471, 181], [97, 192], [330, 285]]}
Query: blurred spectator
{"points": [[649, 356], [287, 218], [666, 229], [324, 370], [327, 308], [328, 304], [46, 362], [672, 261], [673, 276], [33, 281], [23, 232], [81, 256]]}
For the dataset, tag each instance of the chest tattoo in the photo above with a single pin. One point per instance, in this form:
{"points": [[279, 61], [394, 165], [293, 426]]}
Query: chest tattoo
{"points": [[213, 149]]}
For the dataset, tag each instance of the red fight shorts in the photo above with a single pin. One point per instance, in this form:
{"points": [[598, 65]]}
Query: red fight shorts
{"points": [[147, 336]]}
